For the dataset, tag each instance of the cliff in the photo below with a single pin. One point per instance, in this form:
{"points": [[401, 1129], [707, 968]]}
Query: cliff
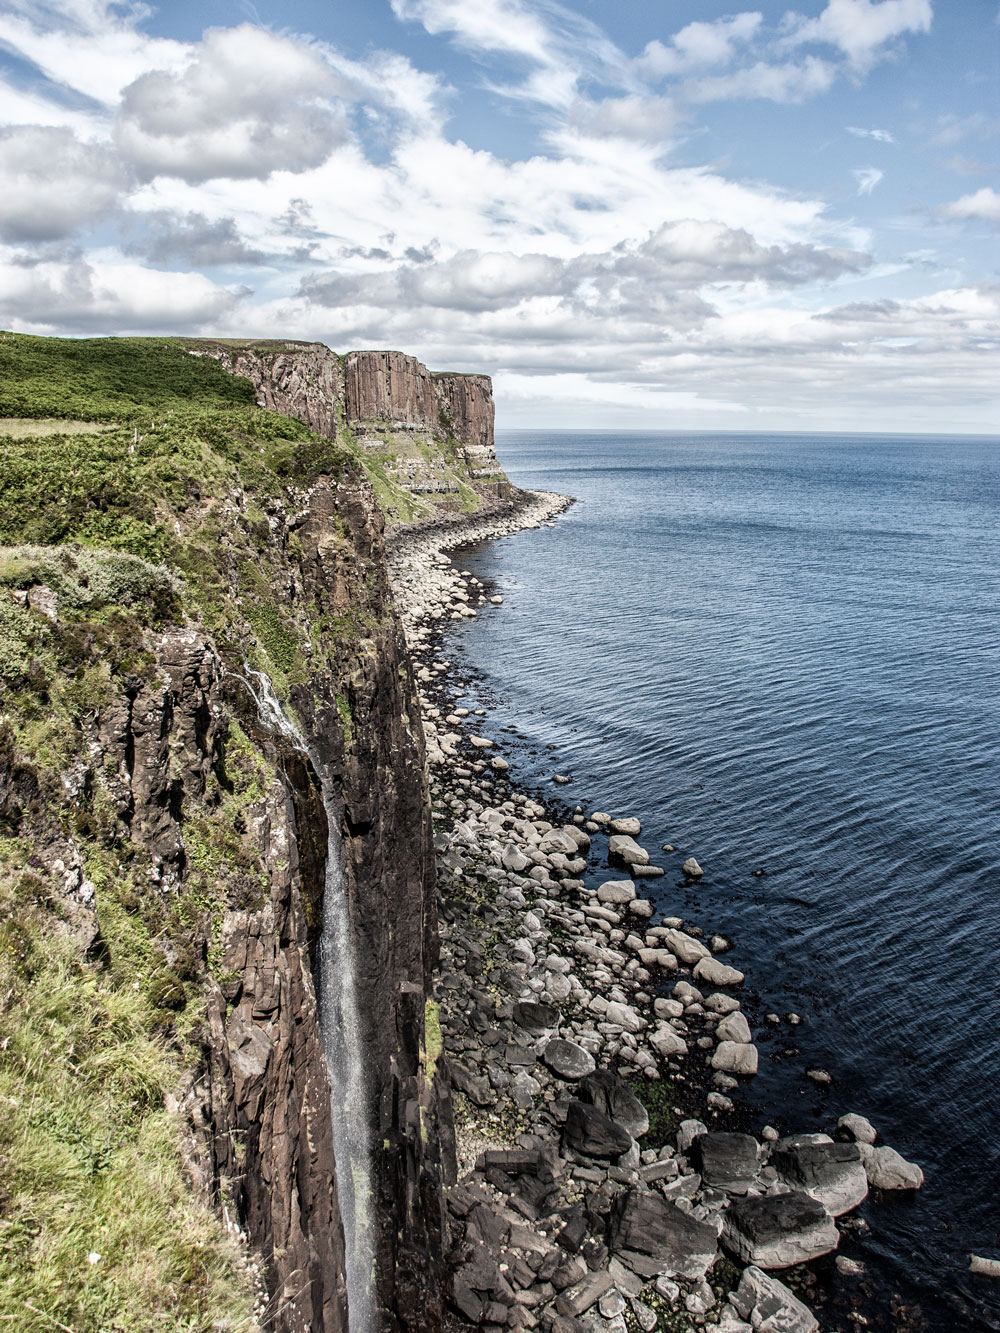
{"points": [[200, 667], [425, 439]]}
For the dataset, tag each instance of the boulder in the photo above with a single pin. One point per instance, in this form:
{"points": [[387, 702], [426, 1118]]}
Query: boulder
{"points": [[558, 840], [887, 1170], [627, 850], [568, 1060], [734, 1027], [685, 947], [589, 1132], [779, 1230], [666, 1042], [716, 973], [535, 1017], [577, 1300], [859, 1127], [625, 1016], [616, 891], [831, 1173], [514, 859], [645, 1223], [613, 1096], [728, 1161], [735, 1057], [691, 868], [627, 825], [768, 1305]]}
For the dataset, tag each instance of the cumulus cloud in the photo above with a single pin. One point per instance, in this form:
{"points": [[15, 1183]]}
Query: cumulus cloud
{"points": [[862, 29], [698, 46], [192, 239], [248, 103], [984, 204], [788, 82], [867, 178], [86, 296], [53, 183]]}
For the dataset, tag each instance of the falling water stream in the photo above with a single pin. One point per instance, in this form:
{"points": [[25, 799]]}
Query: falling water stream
{"points": [[341, 1032]]}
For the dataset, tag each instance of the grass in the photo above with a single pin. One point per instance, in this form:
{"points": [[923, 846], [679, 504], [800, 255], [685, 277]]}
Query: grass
{"points": [[99, 1229], [19, 427]]}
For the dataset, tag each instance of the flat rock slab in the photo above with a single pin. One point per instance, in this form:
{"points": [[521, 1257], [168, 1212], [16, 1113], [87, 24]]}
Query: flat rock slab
{"points": [[769, 1306], [779, 1230], [590, 1132], [577, 1300], [568, 1060], [679, 1244], [833, 1173], [728, 1161], [613, 1096]]}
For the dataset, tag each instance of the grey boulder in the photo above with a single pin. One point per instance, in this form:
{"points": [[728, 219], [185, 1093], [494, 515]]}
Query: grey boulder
{"points": [[611, 1095], [593, 1134], [768, 1305], [887, 1170], [779, 1230], [728, 1161], [832, 1173], [646, 1223], [568, 1060]]}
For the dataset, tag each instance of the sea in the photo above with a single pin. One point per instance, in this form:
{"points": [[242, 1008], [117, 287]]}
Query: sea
{"points": [[782, 653]]}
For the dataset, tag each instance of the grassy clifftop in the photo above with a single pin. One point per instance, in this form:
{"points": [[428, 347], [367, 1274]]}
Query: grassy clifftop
{"points": [[139, 489]]}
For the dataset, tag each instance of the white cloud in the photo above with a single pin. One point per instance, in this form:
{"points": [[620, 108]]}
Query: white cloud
{"points": [[867, 178], [248, 103], [98, 296], [984, 204], [880, 136], [698, 46], [53, 184], [788, 82], [862, 29]]}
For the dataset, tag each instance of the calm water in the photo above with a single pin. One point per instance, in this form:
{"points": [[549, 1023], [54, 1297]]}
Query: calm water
{"points": [[782, 652]]}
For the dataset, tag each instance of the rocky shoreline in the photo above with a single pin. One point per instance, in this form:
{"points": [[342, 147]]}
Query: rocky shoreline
{"points": [[592, 1043]]}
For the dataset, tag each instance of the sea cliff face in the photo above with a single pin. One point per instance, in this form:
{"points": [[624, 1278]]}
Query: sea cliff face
{"points": [[174, 840]]}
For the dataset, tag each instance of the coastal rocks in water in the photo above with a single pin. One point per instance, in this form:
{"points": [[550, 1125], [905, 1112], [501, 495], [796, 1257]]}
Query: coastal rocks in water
{"points": [[590, 1132], [831, 1173], [570, 1061], [646, 1223], [626, 850], [767, 1305], [613, 1096], [628, 825], [734, 1027], [735, 1057], [716, 973], [779, 1230], [666, 1042], [859, 1127], [614, 891], [887, 1170], [728, 1161], [984, 1267], [692, 869], [480, 743], [689, 950]]}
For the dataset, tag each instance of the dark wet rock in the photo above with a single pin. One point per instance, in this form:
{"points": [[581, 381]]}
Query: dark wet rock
{"points": [[833, 1173], [613, 1096], [680, 1245], [568, 1060], [476, 1088], [728, 1161], [777, 1231], [590, 1132], [535, 1017], [578, 1300]]}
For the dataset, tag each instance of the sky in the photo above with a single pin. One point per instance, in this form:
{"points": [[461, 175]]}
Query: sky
{"points": [[660, 214]]}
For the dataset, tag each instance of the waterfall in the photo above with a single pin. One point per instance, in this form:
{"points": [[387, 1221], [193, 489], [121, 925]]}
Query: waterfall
{"points": [[340, 1028]]}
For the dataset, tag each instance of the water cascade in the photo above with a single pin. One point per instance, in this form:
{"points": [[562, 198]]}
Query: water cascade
{"points": [[340, 1027]]}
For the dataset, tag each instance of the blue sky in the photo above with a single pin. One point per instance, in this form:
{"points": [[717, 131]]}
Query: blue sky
{"points": [[639, 214]]}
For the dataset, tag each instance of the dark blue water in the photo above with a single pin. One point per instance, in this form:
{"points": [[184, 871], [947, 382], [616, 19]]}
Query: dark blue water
{"points": [[784, 652]]}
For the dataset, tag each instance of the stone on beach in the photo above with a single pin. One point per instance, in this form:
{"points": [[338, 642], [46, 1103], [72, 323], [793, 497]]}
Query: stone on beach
{"points": [[568, 1060], [859, 1127], [736, 1057], [647, 1224], [535, 1017], [629, 826], [733, 1028], [887, 1170], [691, 868], [666, 1042], [779, 1230], [616, 891], [625, 849], [769, 1306], [689, 950], [590, 1132], [831, 1173], [480, 743], [613, 1096], [716, 973], [728, 1161]]}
